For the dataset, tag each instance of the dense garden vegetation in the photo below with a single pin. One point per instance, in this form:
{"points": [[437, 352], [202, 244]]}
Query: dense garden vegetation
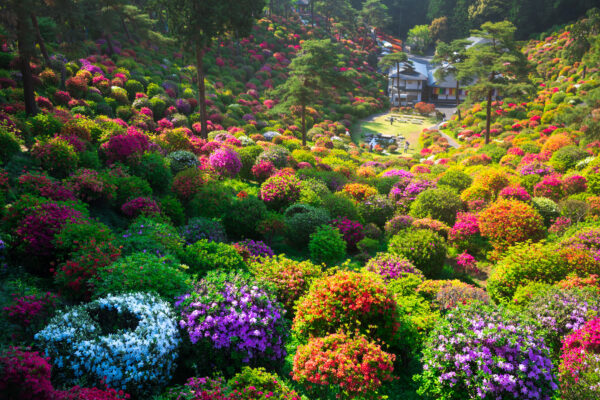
{"points": [[184, 216]]}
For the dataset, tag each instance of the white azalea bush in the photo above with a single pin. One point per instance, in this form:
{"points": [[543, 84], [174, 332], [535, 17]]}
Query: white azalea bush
{"points": [[130, 341]]}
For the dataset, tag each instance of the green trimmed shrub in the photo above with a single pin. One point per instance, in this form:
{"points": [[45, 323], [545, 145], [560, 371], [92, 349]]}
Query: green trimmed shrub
{"points": [[327, 246], [143, 272], [301, 221], [424, 248], [242, 217], [442, 204], [204, 256]]}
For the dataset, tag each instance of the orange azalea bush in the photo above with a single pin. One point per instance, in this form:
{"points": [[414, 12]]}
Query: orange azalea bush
{"points": [[349, 301], [359, 191], [351, 367], [507, 222]]}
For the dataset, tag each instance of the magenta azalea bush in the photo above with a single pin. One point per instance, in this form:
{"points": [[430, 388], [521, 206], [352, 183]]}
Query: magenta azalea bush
{"points": [[225, 162]]}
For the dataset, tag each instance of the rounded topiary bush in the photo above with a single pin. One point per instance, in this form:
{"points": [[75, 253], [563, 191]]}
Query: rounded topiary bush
{"points": [[289, 278], [301, 221], [560, 311], [203, 228], [9, 143], [580, 362], [441, 204], [339, 363], [391, 266], [231, 322], [257, 383], [349, 301], [104, 337], [243, 216], [25, 375], [479, 352], [547, 208], [424, 248], [507, 222], [151, 236], [181, 160], [522, 264], [142, 272], [327, 246], [280, 190], [455, 179], [204, 256]]}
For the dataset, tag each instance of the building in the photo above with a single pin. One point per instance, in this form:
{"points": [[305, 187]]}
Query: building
{"points": [[419, 83], [408, 87]]}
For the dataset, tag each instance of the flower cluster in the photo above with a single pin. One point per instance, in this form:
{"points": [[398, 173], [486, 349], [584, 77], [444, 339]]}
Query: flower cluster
{"points": [[354, 366], [349, 301], [390, 267], [32, 310], [130, 341], [225, 162], [25, 375], [140, 206], [580, 361], [203, 228], [352, 231], [126, 147], [257, 248], [478, 352], [234, 316], [280, 190]]}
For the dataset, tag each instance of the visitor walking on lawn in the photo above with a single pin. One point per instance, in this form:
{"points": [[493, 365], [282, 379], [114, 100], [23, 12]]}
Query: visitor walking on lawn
{"points": [[406, 146]]}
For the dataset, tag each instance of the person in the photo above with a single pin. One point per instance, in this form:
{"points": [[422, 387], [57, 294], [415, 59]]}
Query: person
{"points": [[372, 144], [391, 120], [406, 146], [347, 132]]}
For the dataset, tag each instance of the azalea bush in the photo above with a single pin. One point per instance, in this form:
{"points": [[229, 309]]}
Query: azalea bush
{"points": [[280, 190], [105, 337], [352, 367], [424, 248], [25, 375], [477, 351], [327, 246], [578, 369], [390, 266], [231, 322]]}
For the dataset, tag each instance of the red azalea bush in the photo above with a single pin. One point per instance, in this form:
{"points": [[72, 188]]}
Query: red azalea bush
{"points": [[89, 186], [580, 362], [41, 185], [37, 229], [340, 363], [31, 312], [352, 231], [75, 277], [82, 393], [348, 300], [56, 156], [140, 206], [126, 148], [187, 183], [551, 186], [515, 193], [574, 184], [263, 169], [280, 190], [507, 222], [25, 375]]}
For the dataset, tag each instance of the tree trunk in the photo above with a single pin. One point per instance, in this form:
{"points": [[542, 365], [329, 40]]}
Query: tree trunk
{"points": [[201, 90], [303, 116], [458, 99], [584, 71], [312, 13], [40, 40], [111, 49], [398, 82], [126, 29], [488, 117], [24, 59]]}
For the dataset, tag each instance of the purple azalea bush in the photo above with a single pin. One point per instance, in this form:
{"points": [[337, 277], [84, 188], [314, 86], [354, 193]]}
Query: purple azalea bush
{"points": [[479, 352], [235, 318], [560, 312], [391, 266], [257, 248]]}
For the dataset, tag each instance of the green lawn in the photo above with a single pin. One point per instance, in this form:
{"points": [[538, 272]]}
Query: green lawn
{"points": [[382, 125]]}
